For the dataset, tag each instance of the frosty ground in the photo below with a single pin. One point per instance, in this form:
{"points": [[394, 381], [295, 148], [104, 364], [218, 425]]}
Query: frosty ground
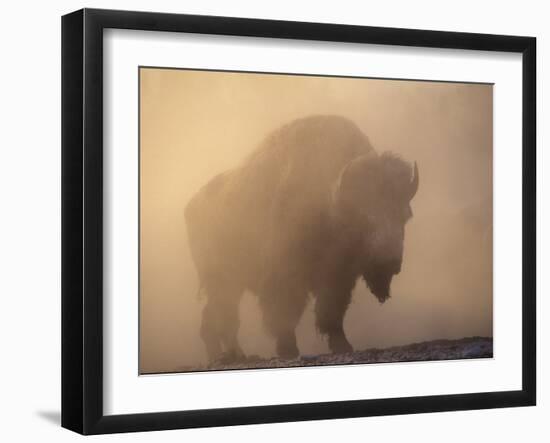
{"points": [[465, 348]]}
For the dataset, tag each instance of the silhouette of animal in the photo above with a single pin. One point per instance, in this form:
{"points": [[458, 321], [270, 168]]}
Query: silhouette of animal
{"points": [[310, 211]]}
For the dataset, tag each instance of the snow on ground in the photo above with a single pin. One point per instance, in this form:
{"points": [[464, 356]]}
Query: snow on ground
{"points": [[465, 348]]}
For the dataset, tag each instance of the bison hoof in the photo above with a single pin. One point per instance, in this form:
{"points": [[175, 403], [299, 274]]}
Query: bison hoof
{"points": [[339, 345], [233, 356], [288, 353], [287, 350]]}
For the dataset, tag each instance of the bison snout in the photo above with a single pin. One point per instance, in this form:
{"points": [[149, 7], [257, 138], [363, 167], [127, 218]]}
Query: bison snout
{"points": [[392, 266]]}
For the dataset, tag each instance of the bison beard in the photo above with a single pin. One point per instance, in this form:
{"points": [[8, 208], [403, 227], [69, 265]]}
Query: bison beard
{"points": [[309, 212], [378, 281]]}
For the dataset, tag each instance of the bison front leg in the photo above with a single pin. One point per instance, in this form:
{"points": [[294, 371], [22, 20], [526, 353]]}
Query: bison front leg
{"points": [[330, 307], [282, 309], [210, 330], [220, 324]]}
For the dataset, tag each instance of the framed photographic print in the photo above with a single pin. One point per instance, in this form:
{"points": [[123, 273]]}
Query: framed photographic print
{"points": [[269, 221]]}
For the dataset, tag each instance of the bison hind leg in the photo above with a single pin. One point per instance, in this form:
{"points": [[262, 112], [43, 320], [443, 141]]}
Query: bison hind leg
{"points": [[220, 324], [282, 309], [210, 333]]}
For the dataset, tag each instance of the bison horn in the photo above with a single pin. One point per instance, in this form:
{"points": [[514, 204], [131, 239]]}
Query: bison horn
{"points": [[414, 182]]}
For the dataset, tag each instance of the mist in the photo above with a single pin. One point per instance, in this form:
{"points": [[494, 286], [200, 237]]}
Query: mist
{"points": [[196, 124]]}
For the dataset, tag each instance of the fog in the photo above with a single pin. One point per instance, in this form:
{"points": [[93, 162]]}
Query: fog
{"points": [[194, 125]]}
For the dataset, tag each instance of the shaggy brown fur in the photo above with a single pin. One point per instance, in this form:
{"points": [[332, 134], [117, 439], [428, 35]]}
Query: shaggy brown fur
{"points": [[311, 210]]}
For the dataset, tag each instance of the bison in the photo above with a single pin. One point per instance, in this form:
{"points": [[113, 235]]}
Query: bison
{"points": [[310, 211]]}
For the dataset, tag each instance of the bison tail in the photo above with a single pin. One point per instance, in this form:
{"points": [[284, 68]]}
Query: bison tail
{"points": [[200, 290]]}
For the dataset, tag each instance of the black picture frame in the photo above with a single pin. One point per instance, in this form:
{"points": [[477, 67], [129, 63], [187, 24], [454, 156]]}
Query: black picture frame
{"points": [[82, 220]]}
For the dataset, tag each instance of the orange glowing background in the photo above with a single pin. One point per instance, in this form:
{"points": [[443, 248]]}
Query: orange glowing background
{"points": [[195, 124]]}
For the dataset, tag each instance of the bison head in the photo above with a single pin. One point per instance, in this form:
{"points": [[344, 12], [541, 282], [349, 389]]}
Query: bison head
{"points": [[372, 199]]}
